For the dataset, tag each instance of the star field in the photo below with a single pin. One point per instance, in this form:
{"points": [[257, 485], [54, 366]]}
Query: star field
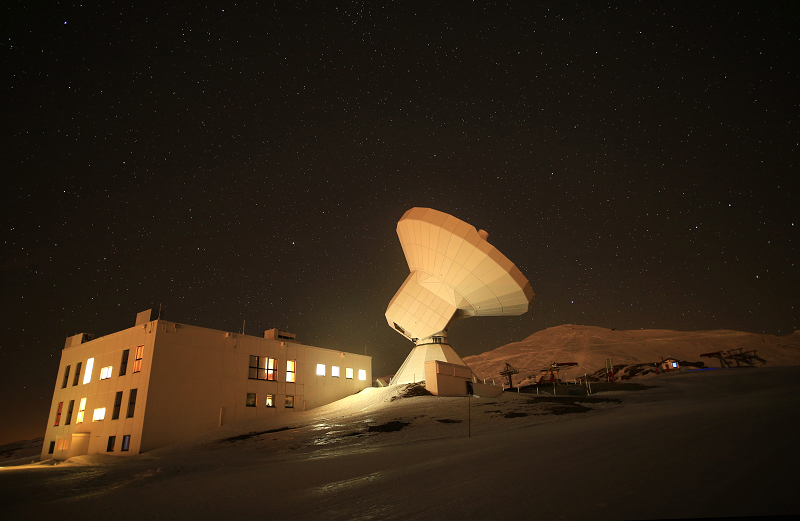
{"points": [[637, 161]]}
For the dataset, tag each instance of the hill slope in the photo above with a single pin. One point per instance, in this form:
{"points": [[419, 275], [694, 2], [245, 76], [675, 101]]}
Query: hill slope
{"points": [[590, 345]]}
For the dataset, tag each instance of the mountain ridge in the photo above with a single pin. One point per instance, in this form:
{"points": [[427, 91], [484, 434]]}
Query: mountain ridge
{"points": [[589, 346]]}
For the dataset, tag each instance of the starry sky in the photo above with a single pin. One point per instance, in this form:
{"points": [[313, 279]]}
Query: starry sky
{"points": [[235, 162]]}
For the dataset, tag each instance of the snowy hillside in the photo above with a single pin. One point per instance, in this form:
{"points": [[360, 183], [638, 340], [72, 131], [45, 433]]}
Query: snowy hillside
{"points": [[20, 451], [589, 346]]}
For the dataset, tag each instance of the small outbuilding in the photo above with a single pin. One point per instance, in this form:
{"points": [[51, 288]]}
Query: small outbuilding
{"points": [[446, 379], [670, 364]]}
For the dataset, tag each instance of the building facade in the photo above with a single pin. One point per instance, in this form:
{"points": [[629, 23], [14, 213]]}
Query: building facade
{"points": [[161, 382]]}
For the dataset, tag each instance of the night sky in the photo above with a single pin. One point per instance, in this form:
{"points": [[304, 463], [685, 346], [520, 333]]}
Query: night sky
{"points": [[637, 161]]}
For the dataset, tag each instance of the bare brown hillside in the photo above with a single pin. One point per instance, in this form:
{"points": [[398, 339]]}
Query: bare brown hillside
{"points": [[590, 345]]}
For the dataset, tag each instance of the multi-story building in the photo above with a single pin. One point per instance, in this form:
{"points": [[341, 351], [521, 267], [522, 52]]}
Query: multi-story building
{"points": [[160, 382]]}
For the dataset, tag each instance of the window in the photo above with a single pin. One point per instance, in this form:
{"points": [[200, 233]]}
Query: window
{"points": [[126, 443], [335, 371], [58, 414], [123, 365], [117, 406], [105, 373], [320, 369], [289, 404], [399, 328], [52, 447], [66, 377], [69, 412], [251, 400], [87, 376], [99, 414], [253, 371], [62, 444], [131, 403], [272, 368], [81, 411], [111, 441], [137, 362], [263, 368], [348, 373], [77, 374], [270, 400], [362, 375], [291, 370]]}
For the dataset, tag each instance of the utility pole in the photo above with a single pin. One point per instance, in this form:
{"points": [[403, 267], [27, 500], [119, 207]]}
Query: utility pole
{"points": [[469, 409]]}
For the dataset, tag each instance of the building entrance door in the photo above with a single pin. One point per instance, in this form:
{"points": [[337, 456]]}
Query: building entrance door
{"points": [[79, 445]]}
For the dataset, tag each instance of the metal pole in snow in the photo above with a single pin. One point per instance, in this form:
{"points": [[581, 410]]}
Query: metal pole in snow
{"points": [[469, 416]]}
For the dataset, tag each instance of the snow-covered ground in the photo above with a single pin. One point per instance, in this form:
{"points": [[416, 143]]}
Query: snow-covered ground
{"points": [[698, 444]]}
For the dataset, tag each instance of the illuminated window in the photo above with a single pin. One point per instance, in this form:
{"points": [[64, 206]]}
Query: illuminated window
{"points": [[87, 376], [291, 370], [58, 414], [111, 441], [320, 369], [99, 414], [348, 373], [66, 377], [123, 365], [117, 406], [77, 374], [137, 362], [335, 371], [126, 443], [251, 400], [362, 374], [52, 447], [272, 368], [62, 444], [131, 403], [263, 368], [81, 411], [270, 400], [674, 364], [69, 412], [105, 373], [289, 403]]}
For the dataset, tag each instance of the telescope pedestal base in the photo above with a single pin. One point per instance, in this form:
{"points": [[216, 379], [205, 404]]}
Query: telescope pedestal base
{"points": [[413, 369]]}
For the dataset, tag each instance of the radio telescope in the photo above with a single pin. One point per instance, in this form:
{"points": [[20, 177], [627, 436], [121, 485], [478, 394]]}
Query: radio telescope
{"points": [[455, 273]]}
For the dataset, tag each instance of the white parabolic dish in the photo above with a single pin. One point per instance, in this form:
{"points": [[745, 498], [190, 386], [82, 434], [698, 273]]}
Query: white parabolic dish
{"points": [[455, 273]]}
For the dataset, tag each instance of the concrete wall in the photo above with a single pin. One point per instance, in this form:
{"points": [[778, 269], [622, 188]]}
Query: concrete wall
{"points": [[200, 380], [106, 351], [486, 390], [321, 390], [445, 379]]}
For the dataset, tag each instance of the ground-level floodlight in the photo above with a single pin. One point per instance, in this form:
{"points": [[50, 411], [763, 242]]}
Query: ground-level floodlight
{"points": [[455, 273]]}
